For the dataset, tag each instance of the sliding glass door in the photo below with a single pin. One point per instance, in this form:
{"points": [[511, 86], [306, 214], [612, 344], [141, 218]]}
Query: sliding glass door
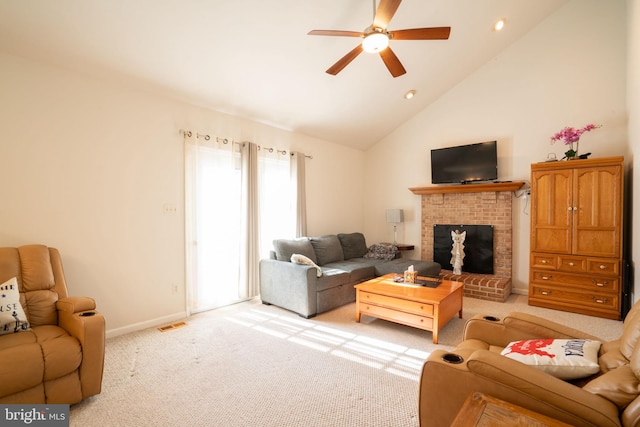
{"points": [[217, 220]]}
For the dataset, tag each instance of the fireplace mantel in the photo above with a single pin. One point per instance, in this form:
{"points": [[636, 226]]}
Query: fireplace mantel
{"points": [[468, 188]]}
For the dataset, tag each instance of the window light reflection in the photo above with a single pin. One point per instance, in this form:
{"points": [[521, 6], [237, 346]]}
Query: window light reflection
{"points": [[372, 352]]}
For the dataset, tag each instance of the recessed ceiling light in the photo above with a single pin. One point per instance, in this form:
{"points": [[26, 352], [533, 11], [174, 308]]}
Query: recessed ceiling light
{"points": [[410, 94], [499, 25]]}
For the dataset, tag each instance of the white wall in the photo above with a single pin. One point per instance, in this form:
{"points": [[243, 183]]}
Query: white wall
{"points": [[87, 167], [568, 71]]}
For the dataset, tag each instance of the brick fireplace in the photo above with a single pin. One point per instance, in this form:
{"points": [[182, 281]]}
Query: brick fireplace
{"points": [[473, 204]]}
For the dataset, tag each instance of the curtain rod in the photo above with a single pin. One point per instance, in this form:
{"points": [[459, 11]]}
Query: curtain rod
{"points": [[225, 141]]}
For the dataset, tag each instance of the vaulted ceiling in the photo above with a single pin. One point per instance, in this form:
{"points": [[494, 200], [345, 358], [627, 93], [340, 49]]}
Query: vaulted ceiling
{"points": [[254, 59]]}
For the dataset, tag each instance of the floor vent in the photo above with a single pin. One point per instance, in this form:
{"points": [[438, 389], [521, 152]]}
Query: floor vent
{"points": [[172, 326]]}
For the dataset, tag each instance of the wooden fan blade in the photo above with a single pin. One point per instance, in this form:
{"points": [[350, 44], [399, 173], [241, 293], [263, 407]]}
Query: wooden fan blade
{"points": [[435, 33], [392, 62], [386, 10], [334, 33], [345, 60]]}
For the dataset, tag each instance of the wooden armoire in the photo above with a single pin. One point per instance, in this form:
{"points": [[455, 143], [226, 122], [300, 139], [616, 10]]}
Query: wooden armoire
{"points": [[576, 236]]}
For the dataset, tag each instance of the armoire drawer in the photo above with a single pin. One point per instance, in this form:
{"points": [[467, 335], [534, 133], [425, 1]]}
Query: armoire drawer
{"points": [[544, 261], [584, 282], [603, 266], [607, 301], [573, 264]]}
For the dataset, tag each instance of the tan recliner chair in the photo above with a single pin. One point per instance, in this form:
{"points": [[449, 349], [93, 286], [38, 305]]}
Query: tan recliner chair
{"points": [[61, 359], [609, 398]]}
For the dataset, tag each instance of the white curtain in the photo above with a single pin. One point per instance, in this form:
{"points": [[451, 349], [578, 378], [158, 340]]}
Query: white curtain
{"points": [[237, 201], [249, 223], [276, 220], [298, 174], [213, 190]]}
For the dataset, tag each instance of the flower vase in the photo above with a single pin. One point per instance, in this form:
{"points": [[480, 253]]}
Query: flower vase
{"points": [[571, 153]]}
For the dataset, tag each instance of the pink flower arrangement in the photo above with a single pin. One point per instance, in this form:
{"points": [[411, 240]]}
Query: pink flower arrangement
{"points": [[570, 135]]}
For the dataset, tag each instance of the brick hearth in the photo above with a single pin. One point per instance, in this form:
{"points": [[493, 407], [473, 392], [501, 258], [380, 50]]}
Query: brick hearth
{"points": [[468, 207]]}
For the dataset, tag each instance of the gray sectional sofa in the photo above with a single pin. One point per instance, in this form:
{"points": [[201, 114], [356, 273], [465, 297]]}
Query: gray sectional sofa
{"points": [[325, 269]]}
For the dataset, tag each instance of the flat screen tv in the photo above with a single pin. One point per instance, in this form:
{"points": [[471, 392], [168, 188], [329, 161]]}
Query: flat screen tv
{"points": [[465, 163]]}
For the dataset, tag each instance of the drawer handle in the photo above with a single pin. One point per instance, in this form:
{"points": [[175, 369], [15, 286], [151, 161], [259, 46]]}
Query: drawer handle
{"points": [[571, 264], [603, 267], [605, 283], [546, 277], [600, 301], [545, 292], [544, 261]]}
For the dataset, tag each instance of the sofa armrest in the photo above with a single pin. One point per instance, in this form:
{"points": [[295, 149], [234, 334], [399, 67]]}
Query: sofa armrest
{"points": [[78, 317], [289, 285], [517, 326], [444, 386]]}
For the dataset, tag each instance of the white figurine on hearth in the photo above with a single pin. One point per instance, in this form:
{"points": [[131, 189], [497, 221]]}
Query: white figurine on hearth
{"points": [[457, 251]]}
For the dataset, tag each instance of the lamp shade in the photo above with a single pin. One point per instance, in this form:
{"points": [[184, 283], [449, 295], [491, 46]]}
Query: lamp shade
{"points": [[395, 215]]}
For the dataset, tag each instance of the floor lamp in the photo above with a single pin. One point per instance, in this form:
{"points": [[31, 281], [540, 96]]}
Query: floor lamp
{"points": [[395, 216]]}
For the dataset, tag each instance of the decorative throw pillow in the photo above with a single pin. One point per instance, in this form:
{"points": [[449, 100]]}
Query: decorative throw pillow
{"points": [[12, 317], [380, 251], [563, 358], [301, 259]]}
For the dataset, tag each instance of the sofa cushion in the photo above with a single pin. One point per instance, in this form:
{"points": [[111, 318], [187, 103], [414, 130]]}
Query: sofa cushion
{"points": [[287, 247], [353, 245], [301, 259], [327, 249], [563, 358], [12, 316], [360, 269], [21, 367], [62, 352]]}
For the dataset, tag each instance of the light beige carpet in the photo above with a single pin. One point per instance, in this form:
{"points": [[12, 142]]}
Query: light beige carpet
{"points": [[255, 365]]}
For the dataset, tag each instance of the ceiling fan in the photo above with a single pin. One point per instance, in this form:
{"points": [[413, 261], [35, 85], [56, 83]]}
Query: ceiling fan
{"points": [[375, 38]]}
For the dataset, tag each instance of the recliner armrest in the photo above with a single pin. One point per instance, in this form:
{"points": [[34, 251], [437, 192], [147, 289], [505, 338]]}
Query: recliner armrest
{"points": [[517, 326], [76, 304], [77, 316], [444, 386]]}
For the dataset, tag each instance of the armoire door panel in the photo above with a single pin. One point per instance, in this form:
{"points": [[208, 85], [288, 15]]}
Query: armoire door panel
{"points": [[598, 216], [552, 239], [552, 219], [596, 242]]}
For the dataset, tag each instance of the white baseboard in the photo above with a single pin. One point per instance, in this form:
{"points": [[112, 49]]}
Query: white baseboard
{"points": [[520, 291], [146, 324]]}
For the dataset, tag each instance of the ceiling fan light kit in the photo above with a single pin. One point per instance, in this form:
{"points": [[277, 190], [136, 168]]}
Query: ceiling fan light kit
{"points": [[376, 38], [375, 42]]}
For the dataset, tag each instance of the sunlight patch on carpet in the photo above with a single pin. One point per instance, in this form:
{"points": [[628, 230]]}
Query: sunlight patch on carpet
{"points": [[372, 352]]}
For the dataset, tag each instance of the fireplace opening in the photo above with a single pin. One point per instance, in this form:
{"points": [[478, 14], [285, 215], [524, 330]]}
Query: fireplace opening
{"points": [[478, 247]]}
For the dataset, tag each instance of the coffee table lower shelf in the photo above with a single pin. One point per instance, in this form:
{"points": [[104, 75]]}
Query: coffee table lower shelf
{"points": [[420, 307]]}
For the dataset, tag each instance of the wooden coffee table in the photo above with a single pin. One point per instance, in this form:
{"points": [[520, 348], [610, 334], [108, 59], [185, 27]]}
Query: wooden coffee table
{"points": [[413, 305]]}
